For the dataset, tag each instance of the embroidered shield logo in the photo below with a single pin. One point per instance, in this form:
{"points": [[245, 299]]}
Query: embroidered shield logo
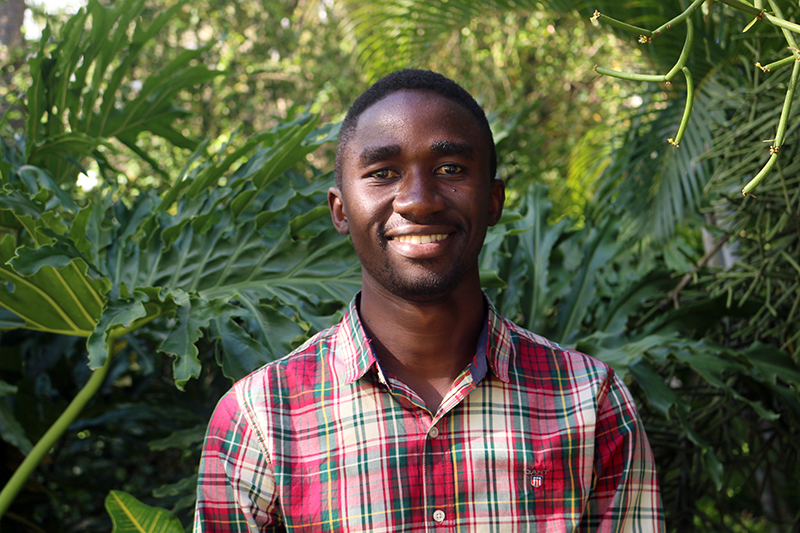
{"points": [[537, 477]]}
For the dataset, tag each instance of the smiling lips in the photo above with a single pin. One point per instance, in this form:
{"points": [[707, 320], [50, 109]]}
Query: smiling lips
{"points": [[420, 239]]}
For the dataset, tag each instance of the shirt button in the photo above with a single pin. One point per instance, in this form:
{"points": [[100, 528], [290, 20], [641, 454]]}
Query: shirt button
{"points": [[433, 433], [438, 516]]}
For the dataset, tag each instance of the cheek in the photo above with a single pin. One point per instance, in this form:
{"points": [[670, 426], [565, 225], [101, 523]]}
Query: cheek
{"points": [[474, 201], [366, 209]]}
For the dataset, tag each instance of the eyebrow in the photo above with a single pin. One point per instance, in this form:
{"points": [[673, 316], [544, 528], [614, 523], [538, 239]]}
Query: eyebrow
{"points": [[451, 148], [372, 155]]}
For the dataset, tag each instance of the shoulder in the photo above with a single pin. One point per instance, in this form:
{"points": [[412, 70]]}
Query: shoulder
{"points": [[226, 415], [298, 366], [548, 364], [290, 378]]}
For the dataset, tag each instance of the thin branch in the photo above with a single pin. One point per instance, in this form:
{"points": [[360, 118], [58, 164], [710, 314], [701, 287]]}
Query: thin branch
{"points": [[673, 296]]}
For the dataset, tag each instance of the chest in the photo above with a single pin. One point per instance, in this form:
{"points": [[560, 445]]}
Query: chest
{"points": [[503, 459]]}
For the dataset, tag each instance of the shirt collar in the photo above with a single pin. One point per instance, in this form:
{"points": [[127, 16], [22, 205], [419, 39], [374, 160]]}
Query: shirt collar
{"points": [[353, 354]]}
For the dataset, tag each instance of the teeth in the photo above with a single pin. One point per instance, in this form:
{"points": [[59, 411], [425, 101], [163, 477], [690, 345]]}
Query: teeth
{"points": [[421, 239]]}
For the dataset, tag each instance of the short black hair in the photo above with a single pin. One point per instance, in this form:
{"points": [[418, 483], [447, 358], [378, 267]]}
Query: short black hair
{"points": [[406, 80]]}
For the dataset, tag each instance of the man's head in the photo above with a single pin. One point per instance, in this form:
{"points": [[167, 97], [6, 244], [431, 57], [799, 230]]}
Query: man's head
{"points": [[411, 79], [417, 192]]}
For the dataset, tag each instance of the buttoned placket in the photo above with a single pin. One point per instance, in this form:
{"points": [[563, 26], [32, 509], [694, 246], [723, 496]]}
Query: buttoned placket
{"points": [[438, 472], [441, 513], [439, 485]]}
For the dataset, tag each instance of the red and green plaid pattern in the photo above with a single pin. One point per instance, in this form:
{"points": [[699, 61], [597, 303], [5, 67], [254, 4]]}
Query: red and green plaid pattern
{"points": [[545, 440]]}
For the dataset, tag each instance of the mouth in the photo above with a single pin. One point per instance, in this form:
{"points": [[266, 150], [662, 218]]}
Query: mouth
{"points": [[420, 239]]}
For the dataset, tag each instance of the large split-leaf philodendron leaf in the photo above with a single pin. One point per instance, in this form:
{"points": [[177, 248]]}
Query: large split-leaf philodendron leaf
{"points": [[254, 258], [61, 300], [132, 516], [73, 104]]}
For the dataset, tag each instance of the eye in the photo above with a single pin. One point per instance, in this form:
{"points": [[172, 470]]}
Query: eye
{"points": [[449, 169], [383, 174]]}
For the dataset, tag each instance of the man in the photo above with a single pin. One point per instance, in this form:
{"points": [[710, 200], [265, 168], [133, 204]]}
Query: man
{"points": [[423, 409]]}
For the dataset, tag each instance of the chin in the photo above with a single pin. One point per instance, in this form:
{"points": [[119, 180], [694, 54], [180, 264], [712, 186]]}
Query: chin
{"points": [[425, 289]]}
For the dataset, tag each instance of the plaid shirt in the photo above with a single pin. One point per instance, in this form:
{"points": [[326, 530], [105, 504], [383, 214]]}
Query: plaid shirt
{"points": [[530, 437]]}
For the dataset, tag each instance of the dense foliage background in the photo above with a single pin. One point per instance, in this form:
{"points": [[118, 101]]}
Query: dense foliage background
{"points": [[204, 249]]}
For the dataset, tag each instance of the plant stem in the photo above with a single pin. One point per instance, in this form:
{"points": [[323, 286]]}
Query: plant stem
{"points": [[741, 6], [687, 47], [787, 33], [782, 23], [687, 111], [680, 64], [621, 25], [750, 187], [680, 18], [48, 440], [777, 64], [776, 19], [630, 76], [779, 135]]}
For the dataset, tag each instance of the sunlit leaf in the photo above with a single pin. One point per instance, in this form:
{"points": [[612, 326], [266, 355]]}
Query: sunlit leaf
{"points": [[131, 515]]}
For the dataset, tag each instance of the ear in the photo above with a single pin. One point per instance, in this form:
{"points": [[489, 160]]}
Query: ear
{"points": [[496, 200], [338, 215]]}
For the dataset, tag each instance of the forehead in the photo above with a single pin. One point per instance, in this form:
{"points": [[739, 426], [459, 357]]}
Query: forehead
{"points": [[409, 115]]}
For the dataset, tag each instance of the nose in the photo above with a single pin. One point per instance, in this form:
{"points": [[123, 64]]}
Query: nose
{"points": [[418, 196]]}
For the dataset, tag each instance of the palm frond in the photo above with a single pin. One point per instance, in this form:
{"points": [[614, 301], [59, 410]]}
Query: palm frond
{"points": [[652, 183]]}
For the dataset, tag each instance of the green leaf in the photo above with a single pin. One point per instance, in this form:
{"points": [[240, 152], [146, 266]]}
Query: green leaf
{"points": [[20, 204], [301, 221], [492, 280], [599, 249], [117, 314], [192, 316], [58, 255], [11, 430], [62, 300], [523, 260], [132, 516], [775, 365], [622, 352], [714, 368], [187, 485], [241, 354], [44, 180], [658, 394], [9, 320], [269, 163], [185, 488], [183, 439], [6, 388], [74, 101], [90, 232], [666, 401]]}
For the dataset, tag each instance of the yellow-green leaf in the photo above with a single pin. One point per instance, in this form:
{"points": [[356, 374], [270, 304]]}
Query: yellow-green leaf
{"points": [[131, 515]]}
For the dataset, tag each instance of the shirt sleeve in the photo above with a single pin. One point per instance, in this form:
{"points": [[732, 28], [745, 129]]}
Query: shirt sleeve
{"points": [[625, 495], [235, 484]]}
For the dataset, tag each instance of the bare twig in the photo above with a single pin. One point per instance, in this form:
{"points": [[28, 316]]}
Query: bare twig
{"points": [[673, 295]]}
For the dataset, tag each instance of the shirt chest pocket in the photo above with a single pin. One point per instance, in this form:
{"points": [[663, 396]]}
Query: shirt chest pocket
{"points": [[519, 477]]}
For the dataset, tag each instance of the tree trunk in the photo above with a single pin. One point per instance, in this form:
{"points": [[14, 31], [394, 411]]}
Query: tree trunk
{"points": [[12, 13]]}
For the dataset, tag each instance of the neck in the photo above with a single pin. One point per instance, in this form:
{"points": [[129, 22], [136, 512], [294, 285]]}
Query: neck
{"points": [[425, 344]]}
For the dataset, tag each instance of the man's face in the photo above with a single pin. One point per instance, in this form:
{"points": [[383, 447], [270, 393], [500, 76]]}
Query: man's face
{"points": [[416, 195]]}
